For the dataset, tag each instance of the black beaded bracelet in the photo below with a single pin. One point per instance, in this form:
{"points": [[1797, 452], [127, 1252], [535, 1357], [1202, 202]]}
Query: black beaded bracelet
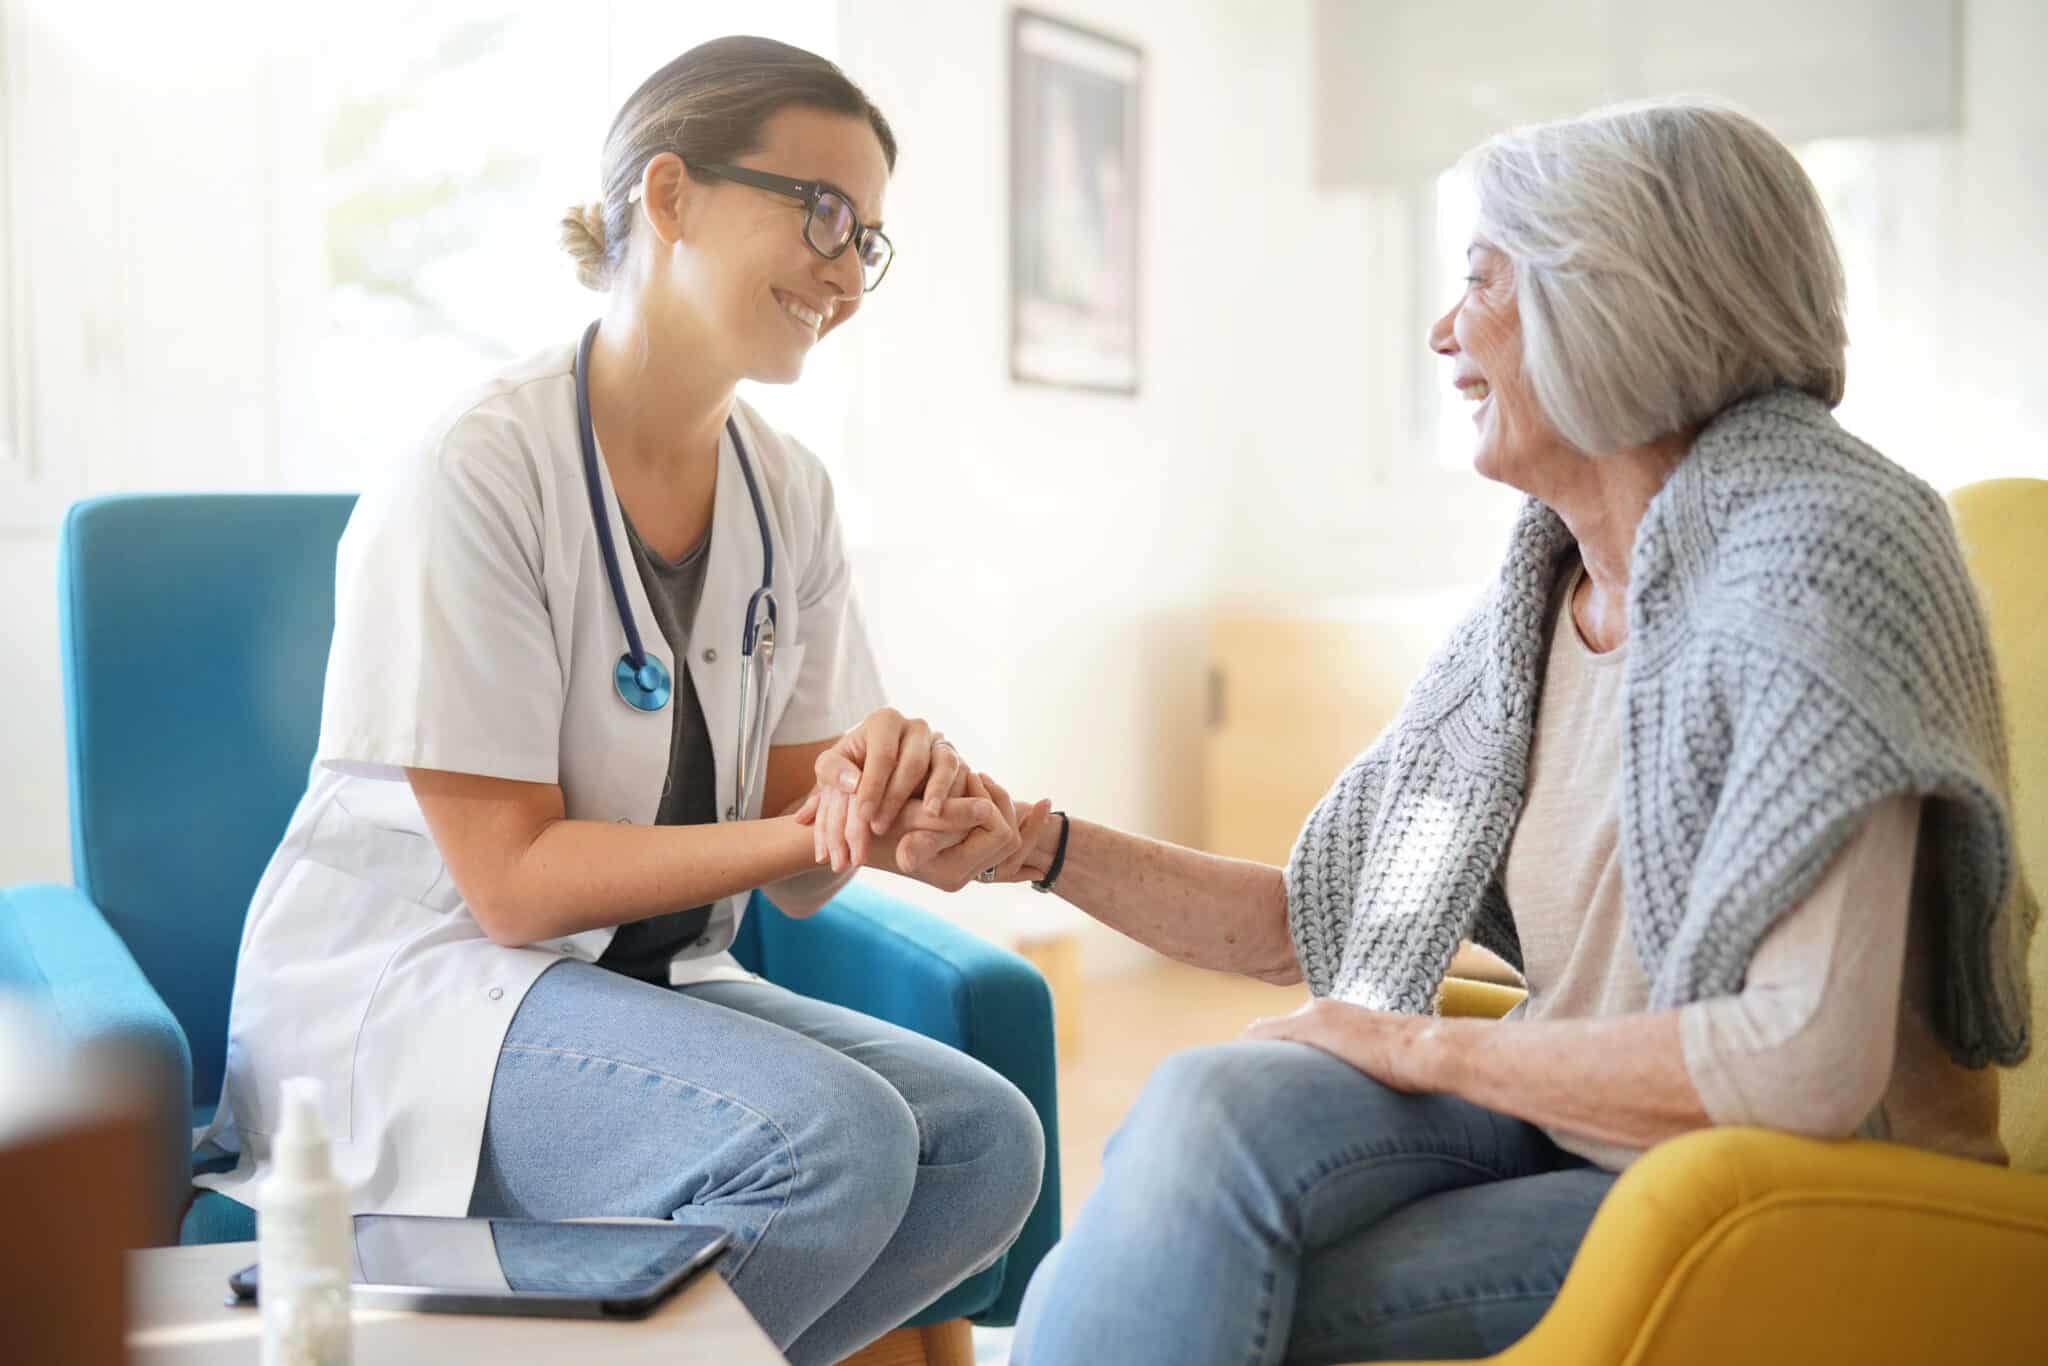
{"points": [[1059, 857]]}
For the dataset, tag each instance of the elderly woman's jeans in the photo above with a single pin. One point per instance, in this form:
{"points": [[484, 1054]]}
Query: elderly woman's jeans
{"points": [[1266, 1203], [862, 1170]]}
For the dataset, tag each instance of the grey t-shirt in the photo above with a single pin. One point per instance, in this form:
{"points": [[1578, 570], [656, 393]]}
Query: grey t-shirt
{"points": [[643, 948]]}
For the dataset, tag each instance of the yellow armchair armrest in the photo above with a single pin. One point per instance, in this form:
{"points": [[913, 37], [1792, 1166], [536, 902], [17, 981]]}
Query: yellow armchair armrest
{"points": [[1461, 997], [1745, 1245]]}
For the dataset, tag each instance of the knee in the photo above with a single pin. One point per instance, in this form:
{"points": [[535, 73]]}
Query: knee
{"points": [[986, 1127], [1012, 1142], [1200, 1092], [857, 1150], [1205, 1111]]}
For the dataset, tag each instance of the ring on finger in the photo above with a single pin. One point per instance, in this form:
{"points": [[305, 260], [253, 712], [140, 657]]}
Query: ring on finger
{"points": [[986, 875]]}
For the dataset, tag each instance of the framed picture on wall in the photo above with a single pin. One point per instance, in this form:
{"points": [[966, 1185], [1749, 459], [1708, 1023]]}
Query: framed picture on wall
{"points": [[1075, 191]]}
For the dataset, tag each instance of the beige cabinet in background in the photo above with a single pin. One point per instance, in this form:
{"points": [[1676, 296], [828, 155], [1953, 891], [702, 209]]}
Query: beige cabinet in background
{"points": [[1297, 693]]}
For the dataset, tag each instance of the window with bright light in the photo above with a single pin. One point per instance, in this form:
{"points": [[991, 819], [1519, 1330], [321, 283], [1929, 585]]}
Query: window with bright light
{"points": [[426, 191], [13, 453], [1889, 255]]}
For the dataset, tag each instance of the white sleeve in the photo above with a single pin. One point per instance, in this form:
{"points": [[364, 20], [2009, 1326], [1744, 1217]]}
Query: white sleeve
{"points": [[444, 653], [839, 683], [1808, 1045]]}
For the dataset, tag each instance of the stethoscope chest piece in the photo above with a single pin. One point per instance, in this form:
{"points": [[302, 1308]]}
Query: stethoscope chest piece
{"points": [[646, 688]]}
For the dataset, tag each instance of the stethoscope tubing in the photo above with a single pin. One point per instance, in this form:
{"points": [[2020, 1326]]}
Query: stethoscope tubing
{"points": [[634, 650], [636, 661]]}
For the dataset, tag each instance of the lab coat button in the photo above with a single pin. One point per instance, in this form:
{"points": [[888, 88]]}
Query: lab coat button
{"points": [[497, 993], [711, 656], [705, 940]]}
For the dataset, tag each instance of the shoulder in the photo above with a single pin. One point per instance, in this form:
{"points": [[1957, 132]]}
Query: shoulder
{"points": [[523, 412], [1808, 547], [494, 446], [794, 474], [1791, 513], [798, 489], [1781, 462]]}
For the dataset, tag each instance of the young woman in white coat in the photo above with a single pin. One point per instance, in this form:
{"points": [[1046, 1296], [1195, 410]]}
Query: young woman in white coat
{"points": [[497, 924]]}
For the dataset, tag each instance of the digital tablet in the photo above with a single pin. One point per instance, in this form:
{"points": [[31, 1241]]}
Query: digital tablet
{"points": [[519, 1266]]}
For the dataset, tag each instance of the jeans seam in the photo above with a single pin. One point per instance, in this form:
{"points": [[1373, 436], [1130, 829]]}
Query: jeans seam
{"points": [[1265, 1318], [1306, 1187], [1374, 1320], [788, 1146]]}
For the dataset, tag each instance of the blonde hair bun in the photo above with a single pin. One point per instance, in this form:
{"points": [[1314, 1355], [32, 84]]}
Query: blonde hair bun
{"points": [[583, 239]]}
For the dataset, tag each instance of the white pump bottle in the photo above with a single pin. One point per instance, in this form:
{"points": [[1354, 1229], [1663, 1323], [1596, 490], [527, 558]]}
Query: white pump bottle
{"points": [[303, 1240]]}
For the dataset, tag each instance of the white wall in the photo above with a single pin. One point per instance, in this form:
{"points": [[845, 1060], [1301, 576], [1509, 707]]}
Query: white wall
{"points": [[148, 351], [1037, 563], [1041, 561], [1994, 212]]}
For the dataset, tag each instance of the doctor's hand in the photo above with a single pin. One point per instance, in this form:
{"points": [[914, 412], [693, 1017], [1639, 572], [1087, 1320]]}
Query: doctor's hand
{"points": [[868, 778]]}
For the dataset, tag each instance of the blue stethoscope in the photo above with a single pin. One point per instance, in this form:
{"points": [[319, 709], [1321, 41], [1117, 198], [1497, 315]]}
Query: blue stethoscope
{"points": [[641, 679]]}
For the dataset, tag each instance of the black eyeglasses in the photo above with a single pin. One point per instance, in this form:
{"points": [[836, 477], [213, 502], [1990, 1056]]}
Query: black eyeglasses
{"points": [[830, 225]]}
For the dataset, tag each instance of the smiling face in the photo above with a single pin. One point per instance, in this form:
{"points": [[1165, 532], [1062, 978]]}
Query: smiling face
{"points": [[1482, 338], [739, 264]]}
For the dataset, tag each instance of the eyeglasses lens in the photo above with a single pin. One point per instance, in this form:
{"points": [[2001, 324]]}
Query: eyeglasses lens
{"points": [[875, 255], [831, 224]]}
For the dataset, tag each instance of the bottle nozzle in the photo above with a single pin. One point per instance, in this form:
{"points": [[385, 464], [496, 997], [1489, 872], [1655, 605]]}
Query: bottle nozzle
{"points": [[300, 1145]]}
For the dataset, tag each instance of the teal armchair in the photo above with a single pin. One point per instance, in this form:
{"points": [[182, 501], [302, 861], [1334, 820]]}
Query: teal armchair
{"points": [[195, 631]]}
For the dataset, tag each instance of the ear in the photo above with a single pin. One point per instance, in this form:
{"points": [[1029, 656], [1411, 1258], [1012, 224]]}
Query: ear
{"points": [[666, 195]]}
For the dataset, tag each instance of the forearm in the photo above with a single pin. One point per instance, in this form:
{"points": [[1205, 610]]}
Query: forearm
{"points": [[1806, 1046], [804, 894], [1621, 1079], [585, 875], [1221, 913]]}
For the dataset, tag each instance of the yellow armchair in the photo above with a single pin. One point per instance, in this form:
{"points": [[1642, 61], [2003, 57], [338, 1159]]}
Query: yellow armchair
{"points": [[1728, 1247]]}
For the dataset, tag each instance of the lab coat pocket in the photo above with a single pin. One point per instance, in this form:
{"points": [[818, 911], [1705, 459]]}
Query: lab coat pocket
{"points": [[383, 839], [308, 973]]}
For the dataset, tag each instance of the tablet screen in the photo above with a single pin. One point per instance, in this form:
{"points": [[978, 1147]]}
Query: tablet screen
{"points": [[523, 1256]]}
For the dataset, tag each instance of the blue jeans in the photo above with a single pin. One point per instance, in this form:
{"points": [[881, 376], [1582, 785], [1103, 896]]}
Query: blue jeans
{"points": [[862, 1170], [1266, 1203]]}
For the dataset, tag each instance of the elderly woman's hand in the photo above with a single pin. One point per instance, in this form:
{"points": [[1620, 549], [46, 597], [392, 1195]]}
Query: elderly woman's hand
{"points": [[966, 837], [1031, 820], [1388, 1047]]}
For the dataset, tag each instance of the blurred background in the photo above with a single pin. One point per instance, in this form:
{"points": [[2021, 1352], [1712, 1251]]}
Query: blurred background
{"points": [[255, 246]]}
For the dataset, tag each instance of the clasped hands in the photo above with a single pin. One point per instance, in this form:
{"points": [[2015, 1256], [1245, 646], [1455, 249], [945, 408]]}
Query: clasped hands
{"points": [[895, 794]]}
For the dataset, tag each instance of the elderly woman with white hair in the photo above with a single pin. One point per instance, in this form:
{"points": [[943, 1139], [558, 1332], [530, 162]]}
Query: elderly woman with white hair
{"points": [[1717, 762]]}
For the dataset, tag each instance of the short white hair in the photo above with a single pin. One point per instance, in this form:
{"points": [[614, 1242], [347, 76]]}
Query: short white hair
{"points": [[1669, 258]]}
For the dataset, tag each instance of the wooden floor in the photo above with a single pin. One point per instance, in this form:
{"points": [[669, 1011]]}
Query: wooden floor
{"points": [[1128, 1024]]}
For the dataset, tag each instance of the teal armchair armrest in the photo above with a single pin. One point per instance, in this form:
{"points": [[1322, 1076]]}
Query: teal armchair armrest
{"points": [[58, 951]]}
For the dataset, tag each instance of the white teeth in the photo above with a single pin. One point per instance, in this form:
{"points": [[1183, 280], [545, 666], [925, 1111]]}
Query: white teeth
{"points": [[807, 317]]}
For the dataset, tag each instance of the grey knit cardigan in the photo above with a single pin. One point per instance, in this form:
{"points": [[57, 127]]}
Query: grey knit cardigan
{"points": [[1804, 642]]}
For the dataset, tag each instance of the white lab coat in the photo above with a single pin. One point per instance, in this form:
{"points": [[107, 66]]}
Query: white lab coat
{"points": [[475, 631]]}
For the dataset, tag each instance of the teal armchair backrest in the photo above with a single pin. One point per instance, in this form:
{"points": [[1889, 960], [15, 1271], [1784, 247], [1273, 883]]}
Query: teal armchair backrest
{"points": [[195, 633]]}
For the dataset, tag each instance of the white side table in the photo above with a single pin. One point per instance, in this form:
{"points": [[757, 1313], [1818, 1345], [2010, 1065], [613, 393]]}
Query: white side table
{"points": [[177, 1317]]}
